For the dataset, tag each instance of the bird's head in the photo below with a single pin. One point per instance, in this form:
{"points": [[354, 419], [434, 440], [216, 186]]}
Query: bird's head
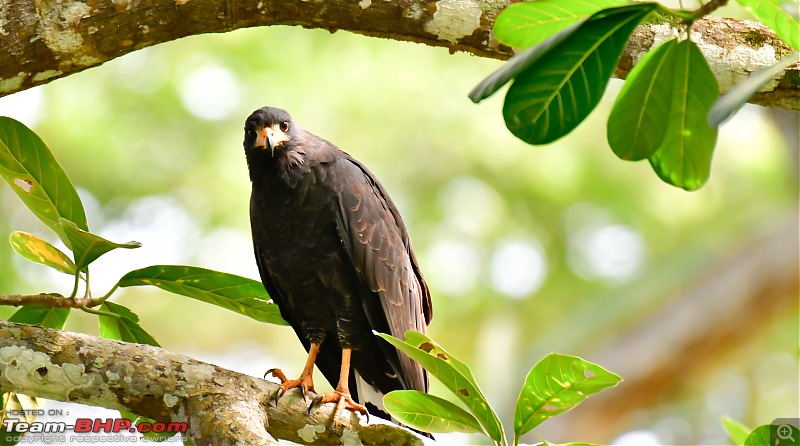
{"points": [[268, 129]]}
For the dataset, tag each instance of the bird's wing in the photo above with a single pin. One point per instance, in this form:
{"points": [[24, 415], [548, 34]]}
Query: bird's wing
{"points": [[379, 248]]}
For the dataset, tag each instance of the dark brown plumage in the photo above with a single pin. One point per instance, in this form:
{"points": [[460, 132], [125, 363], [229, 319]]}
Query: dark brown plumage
{"points": [[335, 256]]}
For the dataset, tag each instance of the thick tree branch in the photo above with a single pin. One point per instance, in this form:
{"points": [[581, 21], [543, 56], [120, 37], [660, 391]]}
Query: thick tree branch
{"points": [[42, 40], [219, 405]]}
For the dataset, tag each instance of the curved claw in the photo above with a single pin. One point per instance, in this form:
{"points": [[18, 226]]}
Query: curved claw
{"points": [[268, 372], [303, 392], [277, 395], [316, 401]]}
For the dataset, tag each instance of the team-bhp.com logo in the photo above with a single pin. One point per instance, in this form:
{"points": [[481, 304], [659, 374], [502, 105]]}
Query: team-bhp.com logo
{"points": [[91, 425]]}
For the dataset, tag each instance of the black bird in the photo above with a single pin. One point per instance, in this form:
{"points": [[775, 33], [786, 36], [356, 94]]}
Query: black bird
{"points": [[335, 256]]}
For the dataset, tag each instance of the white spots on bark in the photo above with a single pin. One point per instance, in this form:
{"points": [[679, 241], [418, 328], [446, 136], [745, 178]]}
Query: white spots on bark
{"points": [[3, 19], [55, 27], [12, 83], [455, 19], [47, 74], [365, 4], [25, 368], [350, 438], [730, 65], [75, 12], [413, 12], [735, 65], [170, 400], [122, 4], [309, 432]]}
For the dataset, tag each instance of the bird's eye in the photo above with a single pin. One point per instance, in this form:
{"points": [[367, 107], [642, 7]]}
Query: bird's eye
{"points": [[285, 126]]}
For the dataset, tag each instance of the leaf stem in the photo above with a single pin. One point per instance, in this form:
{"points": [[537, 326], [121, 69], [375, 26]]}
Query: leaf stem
{"points": [[75, 286], [100, 312], [105, 297]]}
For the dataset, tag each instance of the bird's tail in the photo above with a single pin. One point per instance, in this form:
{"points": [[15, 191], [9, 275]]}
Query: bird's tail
{"points": [[371, 397]]}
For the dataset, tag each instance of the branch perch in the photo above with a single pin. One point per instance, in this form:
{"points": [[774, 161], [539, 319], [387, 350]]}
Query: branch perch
{"points": [[219, 405], [43, 40]]}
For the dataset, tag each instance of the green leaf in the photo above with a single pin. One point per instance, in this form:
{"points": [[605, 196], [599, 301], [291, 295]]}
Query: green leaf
{"points": [[759, 436], [553, 96], [88, 247], [736, 430], [49, 317], [447, 369], [423, 342], [24, 409], [517, 65], [733, 100], [37, 250], [525, 24], [684, 157], [29, 167], [429, 413], [556, 384], [239, 294], [125, 328], [776, 15], [636, 125]]}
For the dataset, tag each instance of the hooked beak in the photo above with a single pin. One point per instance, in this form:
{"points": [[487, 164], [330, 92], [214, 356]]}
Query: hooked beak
{"points": [[271, 137]]}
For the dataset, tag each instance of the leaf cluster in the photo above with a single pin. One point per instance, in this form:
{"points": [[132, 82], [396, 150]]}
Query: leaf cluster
{"points": [[670, 108], [554, 385]]}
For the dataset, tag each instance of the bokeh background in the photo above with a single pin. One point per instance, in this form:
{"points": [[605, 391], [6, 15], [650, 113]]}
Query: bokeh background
{"points": [[690, 297]]}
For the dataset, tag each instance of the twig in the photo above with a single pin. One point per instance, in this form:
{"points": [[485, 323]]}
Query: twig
{"points": [[48, 300]]}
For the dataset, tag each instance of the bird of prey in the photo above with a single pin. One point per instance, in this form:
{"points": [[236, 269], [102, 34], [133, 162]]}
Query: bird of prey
{"points": [[335, 256]]}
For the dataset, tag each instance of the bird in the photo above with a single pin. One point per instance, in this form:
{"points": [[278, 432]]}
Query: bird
{"points": [[335, 256]]}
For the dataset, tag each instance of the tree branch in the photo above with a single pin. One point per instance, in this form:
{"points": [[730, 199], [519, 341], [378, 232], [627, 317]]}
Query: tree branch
{"points": [[48, 300], [219, 405], [43, 40]]}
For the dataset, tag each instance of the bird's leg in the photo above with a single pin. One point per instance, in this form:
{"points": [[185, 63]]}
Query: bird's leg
{"points": [[305, 382], [341, 396]]}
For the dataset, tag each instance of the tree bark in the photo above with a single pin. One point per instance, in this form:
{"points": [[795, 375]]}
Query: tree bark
{"points": [[43, 40], [219, 405]]}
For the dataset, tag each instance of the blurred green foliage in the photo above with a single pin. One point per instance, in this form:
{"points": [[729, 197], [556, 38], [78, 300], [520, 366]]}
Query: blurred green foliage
{"points": [[589, 231]]}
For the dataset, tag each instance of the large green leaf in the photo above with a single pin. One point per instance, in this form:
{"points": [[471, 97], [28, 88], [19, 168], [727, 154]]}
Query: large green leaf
{"points": [[525, 24], [554, 95], [636, 125], [684, 157], [49, 317], [447, 369], [733, 100], [517, 65], [37, 250], [776, 15], [429, 413], [125, 328], [29, 167], [242, 295], [737, 432], [88, 247], [556, 384]]}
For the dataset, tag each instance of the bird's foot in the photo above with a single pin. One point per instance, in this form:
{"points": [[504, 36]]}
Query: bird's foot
{"points": [[343, 401], [304, 382]]}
